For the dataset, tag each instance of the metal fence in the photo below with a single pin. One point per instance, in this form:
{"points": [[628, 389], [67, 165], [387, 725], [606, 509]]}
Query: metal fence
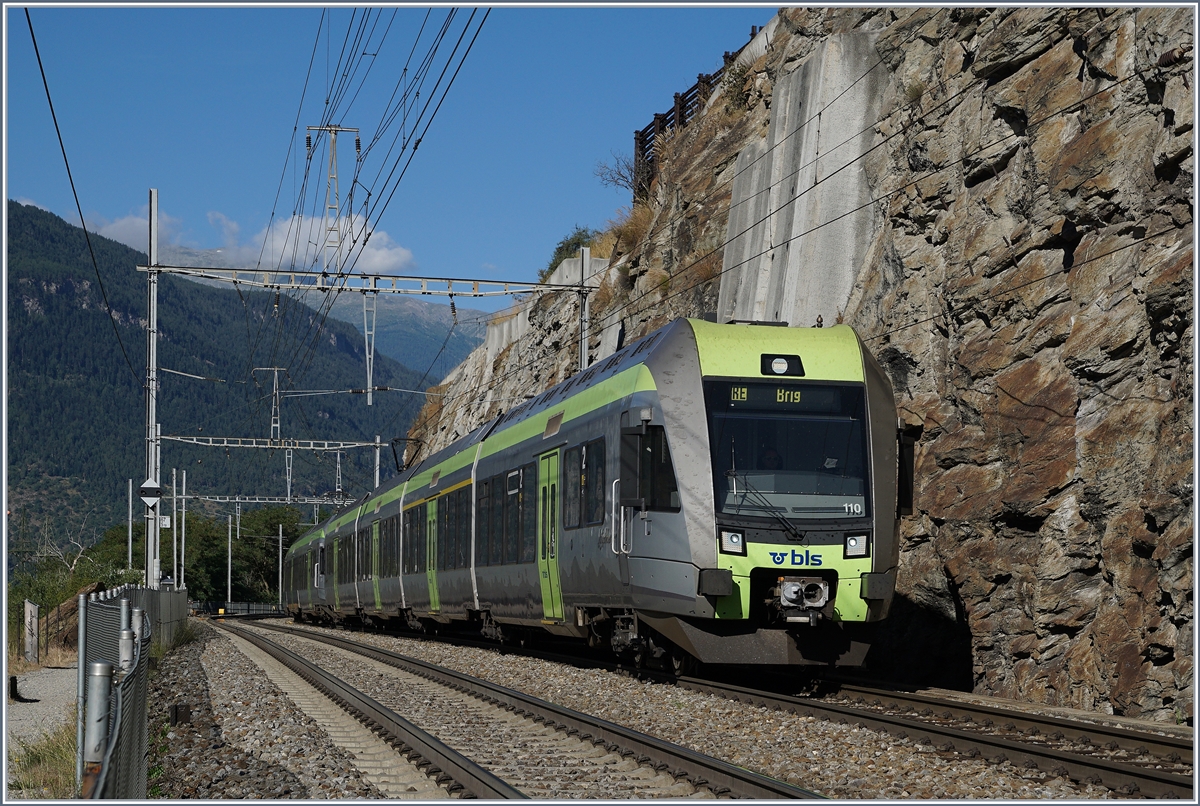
{"points": [[116, 631], [236, 608]]}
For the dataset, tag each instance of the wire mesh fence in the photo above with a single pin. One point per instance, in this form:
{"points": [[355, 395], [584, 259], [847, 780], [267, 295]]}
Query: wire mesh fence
{"points": [[116, 630]]}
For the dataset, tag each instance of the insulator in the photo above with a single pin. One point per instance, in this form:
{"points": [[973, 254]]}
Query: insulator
{"points": [[357, 144], [308, 142], [453, 311]]}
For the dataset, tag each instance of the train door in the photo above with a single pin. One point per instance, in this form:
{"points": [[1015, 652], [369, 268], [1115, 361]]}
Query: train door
{"points": [[548, 537], [319, 571], [375, 563], [310, 581], [431, 537]]}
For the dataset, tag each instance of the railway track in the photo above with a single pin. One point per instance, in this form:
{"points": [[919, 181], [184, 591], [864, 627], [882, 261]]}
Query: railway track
{"points": [[1132, 763], [1135, 763], [507, 744]]}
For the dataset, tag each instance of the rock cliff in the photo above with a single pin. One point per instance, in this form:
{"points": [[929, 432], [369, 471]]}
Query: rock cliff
{"points": [[1000, 202]]}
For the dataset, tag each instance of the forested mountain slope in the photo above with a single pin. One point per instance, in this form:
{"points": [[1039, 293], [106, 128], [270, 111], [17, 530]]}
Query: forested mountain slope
{"points": [[76, 407]]}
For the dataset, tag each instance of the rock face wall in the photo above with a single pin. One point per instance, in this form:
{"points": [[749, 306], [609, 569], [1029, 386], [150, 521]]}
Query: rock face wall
{"points": [[1021, 263]]}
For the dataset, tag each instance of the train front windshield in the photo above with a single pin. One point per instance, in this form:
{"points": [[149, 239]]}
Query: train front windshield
{"points": [[796, 450]]}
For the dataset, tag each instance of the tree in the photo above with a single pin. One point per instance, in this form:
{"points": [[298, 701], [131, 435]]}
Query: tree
{"points": [[568, 247], [623, 172]]}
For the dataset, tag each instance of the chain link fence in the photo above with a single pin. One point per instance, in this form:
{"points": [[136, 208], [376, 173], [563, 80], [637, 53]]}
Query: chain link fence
{"points": [[116, 630]]}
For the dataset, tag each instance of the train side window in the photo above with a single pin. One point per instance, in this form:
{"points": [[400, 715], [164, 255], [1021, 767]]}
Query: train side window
{"points": [[496, 552], [394, 541], [529, 493], [592, 482], [422, 538], [512, 518], [572, 468], [406, 544], [363, 567], [482, 508], [647, 473], [464, 527]]}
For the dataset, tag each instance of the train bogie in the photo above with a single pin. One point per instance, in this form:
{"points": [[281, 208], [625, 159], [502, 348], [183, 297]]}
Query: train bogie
{"points": [[725, 493]]}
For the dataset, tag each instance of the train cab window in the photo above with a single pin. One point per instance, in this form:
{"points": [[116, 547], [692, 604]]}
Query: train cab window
{"points": [[794, 449]]}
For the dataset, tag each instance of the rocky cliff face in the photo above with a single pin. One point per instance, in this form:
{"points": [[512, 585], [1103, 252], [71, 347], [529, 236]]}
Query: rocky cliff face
{"points": [[1022, 242]]}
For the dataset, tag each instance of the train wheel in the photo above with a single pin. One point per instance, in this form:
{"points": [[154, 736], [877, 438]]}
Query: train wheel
{"points": [[682, 663]]}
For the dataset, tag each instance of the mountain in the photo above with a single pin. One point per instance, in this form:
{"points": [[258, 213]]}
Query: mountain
{"points": [[76, 407], [414, 331], [426, 336]]}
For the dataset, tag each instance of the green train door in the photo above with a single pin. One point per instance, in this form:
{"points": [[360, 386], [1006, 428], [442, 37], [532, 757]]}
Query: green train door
{"points": [[375, 563], [435, 602], [548, 538]]}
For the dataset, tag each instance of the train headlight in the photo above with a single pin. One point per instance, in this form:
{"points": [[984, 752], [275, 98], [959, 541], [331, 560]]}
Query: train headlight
{"points": [[858, 545], [733, 543]]}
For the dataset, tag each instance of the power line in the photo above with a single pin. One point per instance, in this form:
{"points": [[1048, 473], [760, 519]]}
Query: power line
{"points": [[83, 224], [628, 304]]}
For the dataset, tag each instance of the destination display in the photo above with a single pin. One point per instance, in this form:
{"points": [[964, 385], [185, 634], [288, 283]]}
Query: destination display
{"points": [[790, 397]]}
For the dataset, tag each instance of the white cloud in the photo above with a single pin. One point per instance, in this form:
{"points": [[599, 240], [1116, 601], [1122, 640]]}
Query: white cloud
{"points": [[32, 203], [134, 229], [296, 242], [229, 228]]}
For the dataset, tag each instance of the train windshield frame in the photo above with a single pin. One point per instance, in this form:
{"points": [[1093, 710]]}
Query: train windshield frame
{"points": [[796, 449]]}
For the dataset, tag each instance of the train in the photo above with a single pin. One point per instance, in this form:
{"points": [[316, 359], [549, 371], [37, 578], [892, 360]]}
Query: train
{"points": [[708, 494]]}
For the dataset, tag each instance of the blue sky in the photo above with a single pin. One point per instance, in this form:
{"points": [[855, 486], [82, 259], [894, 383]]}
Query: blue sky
{"points": [[201, 103]]}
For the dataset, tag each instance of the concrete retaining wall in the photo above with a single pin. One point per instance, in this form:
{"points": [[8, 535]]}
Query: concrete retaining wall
{"points": [[801, 260]]}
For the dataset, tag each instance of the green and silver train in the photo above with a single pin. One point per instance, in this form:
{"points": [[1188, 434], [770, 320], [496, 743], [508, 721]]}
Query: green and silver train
{"points": [[722, 493]]}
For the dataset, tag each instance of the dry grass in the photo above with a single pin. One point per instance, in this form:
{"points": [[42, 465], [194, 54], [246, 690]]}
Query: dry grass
{"points": [[659, 279], [44, 769], [55, 656], [631, 225], [604, 244], [603, 298], [702, 266]]}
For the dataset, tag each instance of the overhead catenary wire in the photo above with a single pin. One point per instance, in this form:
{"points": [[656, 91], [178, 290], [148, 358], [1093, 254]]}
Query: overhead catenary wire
{"points": [[627, 308]]}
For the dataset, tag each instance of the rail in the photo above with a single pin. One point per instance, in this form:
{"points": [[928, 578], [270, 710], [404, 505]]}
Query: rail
{"points": [[412, 740], [1120, 776], [720, 777]]}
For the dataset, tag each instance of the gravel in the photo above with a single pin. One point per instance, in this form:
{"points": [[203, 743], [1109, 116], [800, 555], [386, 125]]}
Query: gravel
{"points": [[247, 740], [46, 700], [839, 761]]}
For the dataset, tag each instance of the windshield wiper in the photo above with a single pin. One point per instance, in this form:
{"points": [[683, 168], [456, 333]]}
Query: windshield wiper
{"points": [[766, 503]]}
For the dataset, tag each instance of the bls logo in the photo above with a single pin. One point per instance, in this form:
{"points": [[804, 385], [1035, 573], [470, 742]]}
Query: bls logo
{"points": [[798, 558]]}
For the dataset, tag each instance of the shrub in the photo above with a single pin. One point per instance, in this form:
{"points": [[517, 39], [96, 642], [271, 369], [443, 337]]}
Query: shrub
{"points": [[568, 247]]}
